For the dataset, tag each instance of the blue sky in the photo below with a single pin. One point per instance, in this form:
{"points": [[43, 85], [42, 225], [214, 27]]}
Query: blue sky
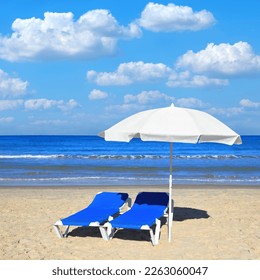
{"points": [[77, 67]]}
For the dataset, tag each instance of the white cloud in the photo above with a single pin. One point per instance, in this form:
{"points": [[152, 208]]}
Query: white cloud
{"points": [[226, 111], [97, 94], [223, 59], [158, 17], [151, 99], [49, 122], [44, 104], [126, 107], [143, 100], [6, 120], [211, 66], [11, 87], [71, 104], [137, 72], [10, 104], [146, 97], [190, 102], [249, 103], [187, 79], [38, 104], [129, 73], [94, 34]]}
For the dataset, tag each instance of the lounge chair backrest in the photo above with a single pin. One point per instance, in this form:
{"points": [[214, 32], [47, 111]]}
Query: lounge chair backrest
{"points": [[109, 200], [151, 201], [152, 198]]}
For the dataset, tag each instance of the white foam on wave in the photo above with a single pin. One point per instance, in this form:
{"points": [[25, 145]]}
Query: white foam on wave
{"points": [[30, 156], [130, 157], [122, 179]]}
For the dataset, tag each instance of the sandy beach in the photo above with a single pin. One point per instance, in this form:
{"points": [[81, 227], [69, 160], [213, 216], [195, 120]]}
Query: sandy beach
{"points": [[214, 222]]}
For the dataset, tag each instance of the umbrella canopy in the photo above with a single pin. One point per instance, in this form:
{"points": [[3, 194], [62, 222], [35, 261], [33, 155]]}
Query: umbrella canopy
{"points": [[172, 124]]}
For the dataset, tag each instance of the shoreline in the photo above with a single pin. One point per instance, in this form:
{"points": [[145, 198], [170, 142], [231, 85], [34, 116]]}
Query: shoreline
{"points": [[96, 187]]}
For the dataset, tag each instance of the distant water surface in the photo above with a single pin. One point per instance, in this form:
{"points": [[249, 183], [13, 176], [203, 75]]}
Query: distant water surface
{"points": [[90, 160]]}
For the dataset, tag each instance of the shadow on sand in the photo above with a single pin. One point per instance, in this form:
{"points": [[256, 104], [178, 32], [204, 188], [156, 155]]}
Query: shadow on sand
{"points": [[184, 213]]}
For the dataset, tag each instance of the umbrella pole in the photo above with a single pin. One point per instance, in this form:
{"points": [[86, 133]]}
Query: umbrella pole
{"points": [[170, 198]]}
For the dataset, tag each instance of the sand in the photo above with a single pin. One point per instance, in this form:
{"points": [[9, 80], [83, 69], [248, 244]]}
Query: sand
{"points": [[213, 223]]}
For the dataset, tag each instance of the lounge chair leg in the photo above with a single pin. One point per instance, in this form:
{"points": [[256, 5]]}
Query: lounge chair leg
{"points": [[107, 231], [155, 236], [110, 231], [58, 231], [103, 232], [66, 231]]}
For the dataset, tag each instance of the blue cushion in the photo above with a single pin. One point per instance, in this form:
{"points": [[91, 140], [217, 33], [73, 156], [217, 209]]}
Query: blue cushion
{"points": [[104, 205], [147, 207]]}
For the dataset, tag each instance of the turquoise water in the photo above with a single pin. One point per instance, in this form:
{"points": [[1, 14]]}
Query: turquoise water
{"points": [[90, 160]]}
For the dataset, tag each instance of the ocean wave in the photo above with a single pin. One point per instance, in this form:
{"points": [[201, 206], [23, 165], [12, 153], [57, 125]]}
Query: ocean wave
{"points": [[127, 179], [31, 156], [62, 156], [130, 157]]}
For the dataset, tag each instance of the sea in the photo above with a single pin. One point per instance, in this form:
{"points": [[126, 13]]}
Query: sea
{"points": [[90, 161]]}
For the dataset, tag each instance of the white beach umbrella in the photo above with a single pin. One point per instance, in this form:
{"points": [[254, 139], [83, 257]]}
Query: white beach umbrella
{"points": [[172, 124]]}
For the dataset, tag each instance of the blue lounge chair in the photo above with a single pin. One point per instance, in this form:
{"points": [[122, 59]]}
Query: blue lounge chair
{"points": [[102, 209], [146, 212]]}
